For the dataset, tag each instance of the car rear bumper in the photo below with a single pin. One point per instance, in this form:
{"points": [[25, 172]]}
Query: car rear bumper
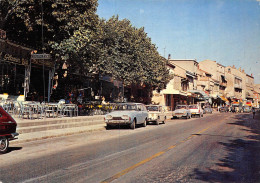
{"points": [[195, 113], [151, 120]]}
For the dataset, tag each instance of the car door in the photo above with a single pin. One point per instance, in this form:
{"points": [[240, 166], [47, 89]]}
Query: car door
{"points": [[161, 113], [144, 112], [139, 112]]}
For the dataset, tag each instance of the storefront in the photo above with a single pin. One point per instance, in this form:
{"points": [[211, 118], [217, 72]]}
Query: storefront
{"points": [[22, 77]]}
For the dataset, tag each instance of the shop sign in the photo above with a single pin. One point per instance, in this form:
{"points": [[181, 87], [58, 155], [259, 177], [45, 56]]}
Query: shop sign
{"points": [[11, 58], [40, 62], [43, 56]]}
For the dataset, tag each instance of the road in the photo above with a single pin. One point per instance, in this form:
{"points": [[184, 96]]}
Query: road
{"points": [[220, 147]]}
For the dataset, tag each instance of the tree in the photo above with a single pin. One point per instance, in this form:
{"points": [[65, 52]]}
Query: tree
{"points": [[67, 29], [60, 26], [72, 32], [128, 54]]}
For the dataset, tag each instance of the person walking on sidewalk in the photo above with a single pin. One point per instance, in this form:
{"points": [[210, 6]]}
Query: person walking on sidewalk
{"points": [[253, 110]]}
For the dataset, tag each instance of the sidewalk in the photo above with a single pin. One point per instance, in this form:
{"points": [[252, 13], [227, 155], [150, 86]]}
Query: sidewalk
{"points": [[37, 129]]}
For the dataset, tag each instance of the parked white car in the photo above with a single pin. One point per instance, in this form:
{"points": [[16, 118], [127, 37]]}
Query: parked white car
{"points": [[182, 111], [196, 110], [157, 113], [127, 114]]}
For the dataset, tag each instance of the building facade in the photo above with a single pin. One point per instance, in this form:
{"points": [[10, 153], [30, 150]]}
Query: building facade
{"points": [[208, 82]]}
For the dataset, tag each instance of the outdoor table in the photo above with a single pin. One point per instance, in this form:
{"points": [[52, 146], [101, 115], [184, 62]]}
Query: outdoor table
{"points": [[51, 108], [34, 108], [27, 109]]}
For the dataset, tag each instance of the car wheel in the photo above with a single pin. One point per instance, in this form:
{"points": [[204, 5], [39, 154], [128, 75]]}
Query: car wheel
{"points": [[164, 120], [157, 122], [144, 124], [132, 126], [4, 143]]}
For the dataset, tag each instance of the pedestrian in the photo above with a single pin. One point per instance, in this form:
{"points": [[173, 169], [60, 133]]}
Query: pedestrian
{"points": [[253, 110]]}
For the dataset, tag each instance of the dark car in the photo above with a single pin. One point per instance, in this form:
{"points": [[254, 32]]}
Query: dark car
{"points": [[207, 110], [7, 130]]}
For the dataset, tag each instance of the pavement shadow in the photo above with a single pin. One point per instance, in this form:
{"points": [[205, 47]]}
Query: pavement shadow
{"points": [[10, 149], [242, 161]]}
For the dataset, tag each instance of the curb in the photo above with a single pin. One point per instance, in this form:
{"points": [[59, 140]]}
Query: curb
{"points": [[54, 136]]}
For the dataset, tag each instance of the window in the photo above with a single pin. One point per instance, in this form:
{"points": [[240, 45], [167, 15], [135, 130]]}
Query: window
{"points": [[139, 107]]}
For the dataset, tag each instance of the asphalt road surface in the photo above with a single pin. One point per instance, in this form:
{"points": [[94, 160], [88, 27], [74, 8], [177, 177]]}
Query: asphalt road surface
{"points": [[220, 147]]}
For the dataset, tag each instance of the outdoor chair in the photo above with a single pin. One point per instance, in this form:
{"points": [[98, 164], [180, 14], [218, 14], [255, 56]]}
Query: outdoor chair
{"points": [[76, 111], [60, 110], [68, 110], [38, 110], [25, 110], [49, 109], [7, 105], [16, 108]]}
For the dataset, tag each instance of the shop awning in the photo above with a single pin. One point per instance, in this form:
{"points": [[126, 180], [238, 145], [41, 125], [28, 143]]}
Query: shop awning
{"points": [[170, 91], [204, 95], [215, 96], [224, 98], [173, 92]]}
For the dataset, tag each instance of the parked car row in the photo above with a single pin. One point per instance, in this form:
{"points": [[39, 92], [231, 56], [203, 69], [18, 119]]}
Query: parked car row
{"points": [[132, 114], [236, 109]]}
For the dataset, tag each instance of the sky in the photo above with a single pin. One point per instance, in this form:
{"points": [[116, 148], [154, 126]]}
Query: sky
{"points": [[227, 31]]}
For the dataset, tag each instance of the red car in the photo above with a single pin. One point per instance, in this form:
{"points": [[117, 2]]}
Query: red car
{"points": [[7, 130]]}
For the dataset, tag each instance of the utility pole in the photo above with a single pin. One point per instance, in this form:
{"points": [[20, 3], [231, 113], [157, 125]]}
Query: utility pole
{"points": [[164, 51]]}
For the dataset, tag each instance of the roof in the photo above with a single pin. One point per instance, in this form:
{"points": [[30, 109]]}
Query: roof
{"points": [[250, 76], [171, 65], [221, 65], [194, 60], [204, 71]]}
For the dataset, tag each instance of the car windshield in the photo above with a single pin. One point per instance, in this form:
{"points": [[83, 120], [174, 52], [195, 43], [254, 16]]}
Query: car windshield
{"points": [[124, 107], [152, 108], [193, 107], [181, 107]]}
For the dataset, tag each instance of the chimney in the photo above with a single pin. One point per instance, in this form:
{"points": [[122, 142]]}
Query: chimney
{"points": [[233, 67], [239, 69], [252, 74], [243, 71], [169, 56]]}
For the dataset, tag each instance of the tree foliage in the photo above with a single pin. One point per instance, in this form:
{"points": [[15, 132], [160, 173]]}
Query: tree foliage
{"points": [[128, 54], [72, 31], [63, 27]]}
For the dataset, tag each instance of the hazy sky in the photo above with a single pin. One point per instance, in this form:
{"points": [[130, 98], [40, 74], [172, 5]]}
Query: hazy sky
{"points": [[227, 31]]}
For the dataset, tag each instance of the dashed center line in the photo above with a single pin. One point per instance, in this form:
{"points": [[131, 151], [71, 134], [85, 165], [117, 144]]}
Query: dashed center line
{"points": [[116, 176]]}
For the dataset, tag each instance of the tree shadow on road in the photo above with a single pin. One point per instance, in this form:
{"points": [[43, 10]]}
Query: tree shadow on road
{"points": [[242, 161]]}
